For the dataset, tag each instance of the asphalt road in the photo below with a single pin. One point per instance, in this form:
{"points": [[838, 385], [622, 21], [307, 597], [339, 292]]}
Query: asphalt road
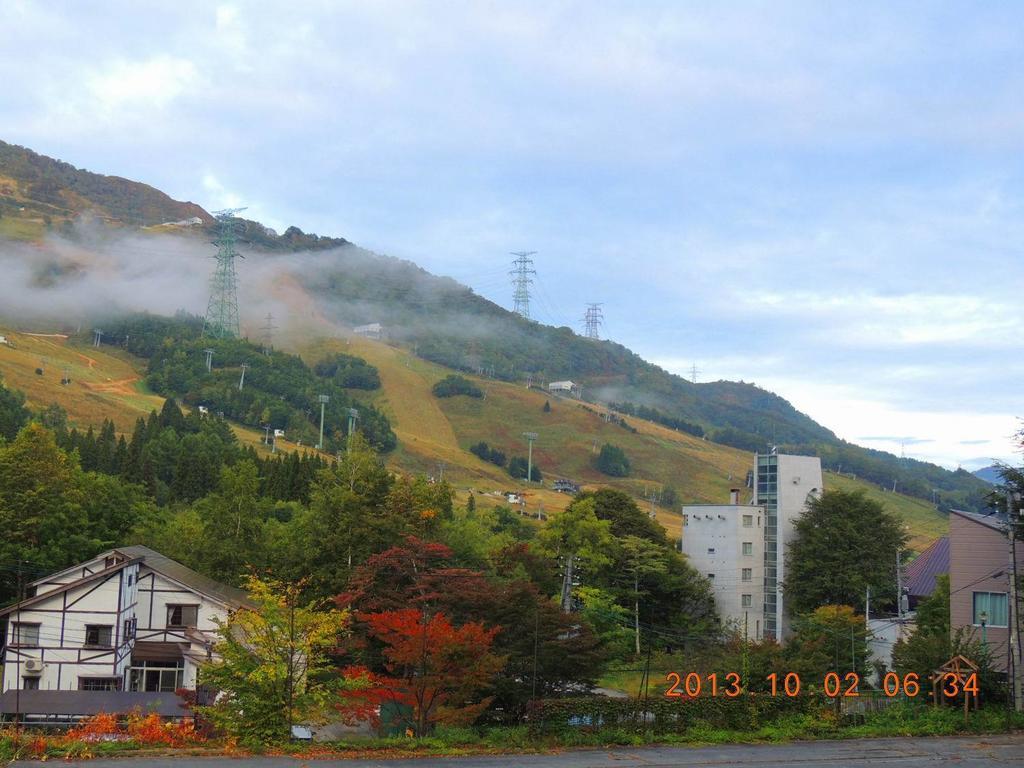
{"points": [[1003, 750]]}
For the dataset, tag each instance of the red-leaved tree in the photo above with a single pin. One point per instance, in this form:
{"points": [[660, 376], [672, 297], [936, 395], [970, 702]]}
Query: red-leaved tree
{"points": [[442, 672]]}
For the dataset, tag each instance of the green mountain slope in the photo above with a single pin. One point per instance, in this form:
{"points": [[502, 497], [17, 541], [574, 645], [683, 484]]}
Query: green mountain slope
{"points": [[448, 324]]}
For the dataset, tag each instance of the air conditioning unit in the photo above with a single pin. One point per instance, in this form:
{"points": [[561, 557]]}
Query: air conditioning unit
{"points": [[34, 666]]}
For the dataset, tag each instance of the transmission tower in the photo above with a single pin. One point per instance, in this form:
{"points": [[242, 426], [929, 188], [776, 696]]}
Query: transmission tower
{"points": [[694, 370], [268, 334], [522, 268], [593, 319], [222, 310]]}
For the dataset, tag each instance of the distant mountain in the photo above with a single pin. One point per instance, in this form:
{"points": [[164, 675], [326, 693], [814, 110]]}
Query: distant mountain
{"points": [[989, 474], [447, 323], [57, 190]]}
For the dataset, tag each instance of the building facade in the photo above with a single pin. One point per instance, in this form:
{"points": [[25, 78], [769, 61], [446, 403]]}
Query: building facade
{"points": [[782, 485], [128, 620], [980, 569], [725, 544]]}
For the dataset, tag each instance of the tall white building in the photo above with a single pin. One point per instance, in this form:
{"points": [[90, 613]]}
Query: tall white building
{"points": [[782, 485], [725, 544]]}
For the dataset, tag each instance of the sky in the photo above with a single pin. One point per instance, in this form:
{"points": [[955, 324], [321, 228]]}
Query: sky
{"points": [[825, 199]]}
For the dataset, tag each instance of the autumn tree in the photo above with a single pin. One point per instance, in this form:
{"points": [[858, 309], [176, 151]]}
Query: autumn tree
{"points": [[271, 665], [439, 670]]}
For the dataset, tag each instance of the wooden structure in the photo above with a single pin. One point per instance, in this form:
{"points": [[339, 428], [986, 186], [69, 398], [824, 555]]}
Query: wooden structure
{"points": [[958, 676]]}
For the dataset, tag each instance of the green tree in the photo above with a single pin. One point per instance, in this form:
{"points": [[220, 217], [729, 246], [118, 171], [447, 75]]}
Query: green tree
{"points": [[577, 536], [13, 413], [613, 461], [830, 639], [232, 536], [272, 665], [42, 512], [844, 542], [643, 559]]}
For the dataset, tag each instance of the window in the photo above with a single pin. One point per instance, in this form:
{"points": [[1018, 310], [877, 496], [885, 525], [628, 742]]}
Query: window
{"points": [[162, 676], [129, 629], [711, 576], [98, 635], [131, 579], [30, 683], [747, 574], [686, 519], [748, 547], [711, 550], [993, 605], [182, 615], [24, 634], [99, 683], [746, 601], [748, 521]]}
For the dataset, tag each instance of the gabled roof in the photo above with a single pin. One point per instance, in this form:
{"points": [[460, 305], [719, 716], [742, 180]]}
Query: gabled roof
{"points": [[70, 585], [931, 563], [175, 571]]}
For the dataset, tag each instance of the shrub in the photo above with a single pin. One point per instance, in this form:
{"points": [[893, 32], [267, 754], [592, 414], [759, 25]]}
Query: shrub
{"points": [[453, 385], [487, 453], [612, 461], [518, 467]]}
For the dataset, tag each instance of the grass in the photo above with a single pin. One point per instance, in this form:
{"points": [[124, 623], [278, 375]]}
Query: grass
{"points": [[924, 522], [108, 383]]}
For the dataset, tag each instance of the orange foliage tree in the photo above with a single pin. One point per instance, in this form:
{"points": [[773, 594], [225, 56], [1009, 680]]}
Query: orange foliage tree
{"points": [[440, 671]]}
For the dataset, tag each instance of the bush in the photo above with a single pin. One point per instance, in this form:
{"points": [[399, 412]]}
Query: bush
{"points": [[613, 461], [453, 384], [348, 372], [485, 452], [518, 467]]}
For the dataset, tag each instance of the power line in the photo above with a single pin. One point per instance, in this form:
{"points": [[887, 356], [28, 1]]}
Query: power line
{"points": [[522, 269]]}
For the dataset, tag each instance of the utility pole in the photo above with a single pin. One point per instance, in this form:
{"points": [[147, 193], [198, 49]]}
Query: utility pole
{"points": [[353, 414], [268, 334], [1013, 523], [899, 587], [522, 269], [323, 403], [530, 437], [241, 381], [291, 659]]}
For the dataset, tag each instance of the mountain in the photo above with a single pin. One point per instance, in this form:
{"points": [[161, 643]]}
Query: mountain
{"points": [[989, 474], [33, 186], [446, 323]]}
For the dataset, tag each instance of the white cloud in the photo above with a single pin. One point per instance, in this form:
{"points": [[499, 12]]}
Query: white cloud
{"points": [[139, 85]]}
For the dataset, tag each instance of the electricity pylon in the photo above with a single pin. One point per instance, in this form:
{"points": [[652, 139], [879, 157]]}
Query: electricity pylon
{"points": [[593, 320], [522, 268], [222, 310]]}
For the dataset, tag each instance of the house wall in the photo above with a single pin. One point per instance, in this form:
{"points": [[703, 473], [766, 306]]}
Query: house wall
{"points": [[63, 618], [976, 551], [156, 593], [720, 527]]}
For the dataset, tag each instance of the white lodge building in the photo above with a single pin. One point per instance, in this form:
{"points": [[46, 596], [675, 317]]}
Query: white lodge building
{"points": [[129, 620]]}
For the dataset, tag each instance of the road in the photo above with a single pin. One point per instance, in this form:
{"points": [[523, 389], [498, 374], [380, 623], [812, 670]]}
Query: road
{"points": [[1002, 750]]}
